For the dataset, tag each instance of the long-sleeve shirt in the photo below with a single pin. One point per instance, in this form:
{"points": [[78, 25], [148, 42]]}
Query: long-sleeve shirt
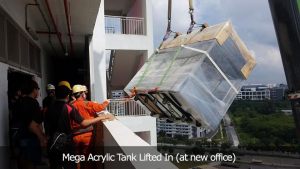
{"points": [[88, 109]]}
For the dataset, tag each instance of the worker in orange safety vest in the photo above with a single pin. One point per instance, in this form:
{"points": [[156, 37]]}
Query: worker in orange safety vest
{"points": [[88, 110]]}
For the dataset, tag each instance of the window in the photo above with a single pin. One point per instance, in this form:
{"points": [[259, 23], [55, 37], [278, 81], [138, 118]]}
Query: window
{"points": [[15, 48]]}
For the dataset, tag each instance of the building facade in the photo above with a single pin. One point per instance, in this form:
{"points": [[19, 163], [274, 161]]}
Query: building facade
{"points": [[116, 52], [254, 92], [173, 129], [274, 92], [278, 92]]}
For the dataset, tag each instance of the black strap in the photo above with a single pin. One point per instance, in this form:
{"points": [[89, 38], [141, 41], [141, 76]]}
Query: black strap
{"points": [[82, 131]]}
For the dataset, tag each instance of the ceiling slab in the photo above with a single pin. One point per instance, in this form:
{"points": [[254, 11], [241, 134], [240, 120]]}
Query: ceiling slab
{"points": [[83, 15]]}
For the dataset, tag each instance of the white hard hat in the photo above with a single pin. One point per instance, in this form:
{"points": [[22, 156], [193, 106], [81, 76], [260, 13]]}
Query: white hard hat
{"points": [[84, 88], [50, 87]]}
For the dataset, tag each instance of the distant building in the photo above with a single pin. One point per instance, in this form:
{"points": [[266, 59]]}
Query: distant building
{"points": [[262, 92], [287, 112], [117, 94], [182, 129], [278, 92], [254, 92]]}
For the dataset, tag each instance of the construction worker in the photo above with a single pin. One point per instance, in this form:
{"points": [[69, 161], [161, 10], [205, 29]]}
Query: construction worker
{"points": [[31, 136], [59, 119], [67, 84], [50, 98], [87, 110]]}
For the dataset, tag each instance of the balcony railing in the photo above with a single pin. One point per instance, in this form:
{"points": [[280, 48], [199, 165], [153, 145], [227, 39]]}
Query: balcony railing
{"points": [[127, 107], [124, 25]]}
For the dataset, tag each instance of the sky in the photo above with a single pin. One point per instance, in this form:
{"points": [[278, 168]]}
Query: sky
{"points": [[251, 19]]}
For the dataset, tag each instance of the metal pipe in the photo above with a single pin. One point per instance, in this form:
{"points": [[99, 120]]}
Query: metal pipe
{"points": [[55, 26], [30, 30], [26, 7], [68, 23], [48, 26]]}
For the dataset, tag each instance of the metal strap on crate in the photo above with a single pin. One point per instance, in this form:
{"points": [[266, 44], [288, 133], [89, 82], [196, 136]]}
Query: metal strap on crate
{"points": [[214, 63]]}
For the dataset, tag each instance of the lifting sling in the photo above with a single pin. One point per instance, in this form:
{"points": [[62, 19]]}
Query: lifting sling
{"points": [[169, 31], [191, 11], [192, 24]]}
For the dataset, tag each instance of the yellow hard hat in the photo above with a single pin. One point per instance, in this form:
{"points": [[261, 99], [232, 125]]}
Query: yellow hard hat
{"points": [[65, 83], [78, 88]]}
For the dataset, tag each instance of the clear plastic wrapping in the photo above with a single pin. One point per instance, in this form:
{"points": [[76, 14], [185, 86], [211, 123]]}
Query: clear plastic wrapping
{"points": [[194, 80]]}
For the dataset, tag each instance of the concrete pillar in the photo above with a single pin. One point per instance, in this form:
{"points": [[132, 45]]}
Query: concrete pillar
{"points": [[97, 58]]}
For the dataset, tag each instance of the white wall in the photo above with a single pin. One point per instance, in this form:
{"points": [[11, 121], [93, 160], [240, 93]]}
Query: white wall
{"points": [[149, 26], [4, 111], [127, 42], [141, 124], [98, 59], [4, 119], [16, 10], [3, 105], [141, 8], [118, 138]]}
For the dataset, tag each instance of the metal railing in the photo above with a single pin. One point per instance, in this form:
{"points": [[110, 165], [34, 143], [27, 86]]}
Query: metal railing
{"points": [[124, 25], [127, 107]]}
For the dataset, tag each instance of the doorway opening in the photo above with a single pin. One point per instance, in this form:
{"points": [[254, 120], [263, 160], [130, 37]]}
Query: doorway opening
{"points": [[16, 82]]}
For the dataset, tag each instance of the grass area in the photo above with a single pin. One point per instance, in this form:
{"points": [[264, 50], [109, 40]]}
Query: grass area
{"points": [[261, 125], [220, 137]]}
